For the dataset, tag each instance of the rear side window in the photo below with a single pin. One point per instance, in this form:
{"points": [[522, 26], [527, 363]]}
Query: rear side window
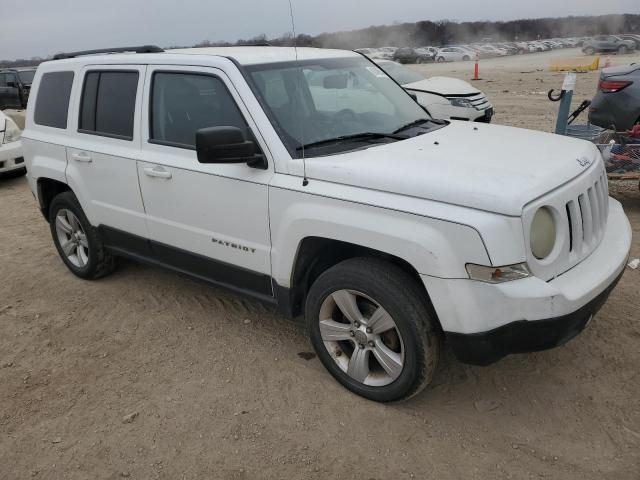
{"points": [[183, 103], [52, 104], [109, 103]]}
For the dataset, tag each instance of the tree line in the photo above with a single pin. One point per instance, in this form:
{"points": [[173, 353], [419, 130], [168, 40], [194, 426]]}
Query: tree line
{"points": [[436, 33]]}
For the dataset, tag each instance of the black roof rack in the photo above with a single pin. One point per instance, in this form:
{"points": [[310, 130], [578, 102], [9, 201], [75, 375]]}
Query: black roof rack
{"points": [[140, 49]]}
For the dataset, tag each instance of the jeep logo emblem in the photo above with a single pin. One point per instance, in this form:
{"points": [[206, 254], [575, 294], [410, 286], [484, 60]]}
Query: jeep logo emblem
{"points": [[583, 162]]}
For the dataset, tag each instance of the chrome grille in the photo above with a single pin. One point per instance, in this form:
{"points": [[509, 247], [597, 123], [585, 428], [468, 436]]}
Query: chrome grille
{"points": [[478, 100], [581, 208], [587, 216]]}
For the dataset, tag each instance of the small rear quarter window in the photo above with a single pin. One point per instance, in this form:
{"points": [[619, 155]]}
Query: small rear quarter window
{"points": [[52, 103]]}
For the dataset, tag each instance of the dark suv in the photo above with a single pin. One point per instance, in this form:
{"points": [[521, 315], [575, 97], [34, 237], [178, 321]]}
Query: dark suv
{"points": [[607, 43], [15, 85]]}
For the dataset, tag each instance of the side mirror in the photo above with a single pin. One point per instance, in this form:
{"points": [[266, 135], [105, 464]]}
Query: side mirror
{"points": [[227, 145], [336, 82]]}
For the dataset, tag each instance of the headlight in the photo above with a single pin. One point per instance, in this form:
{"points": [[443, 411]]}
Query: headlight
{"points": [[543, 233], [460, 102], [12, 132], [487, 274]]}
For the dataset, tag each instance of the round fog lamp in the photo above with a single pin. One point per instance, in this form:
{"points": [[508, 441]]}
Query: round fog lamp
{"points": [[543, 233]]}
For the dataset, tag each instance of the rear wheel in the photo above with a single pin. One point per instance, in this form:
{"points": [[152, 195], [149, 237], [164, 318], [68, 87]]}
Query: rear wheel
{"points": [[466, 58], [623, 49], [370, 325], [77, 241], [589, 51], [440, 59]]}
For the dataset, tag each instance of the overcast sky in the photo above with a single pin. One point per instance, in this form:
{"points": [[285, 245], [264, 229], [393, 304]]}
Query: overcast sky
{"points": [[31, 28]]}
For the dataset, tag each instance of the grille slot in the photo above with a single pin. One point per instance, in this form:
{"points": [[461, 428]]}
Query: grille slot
{"points": [[581, 208], [587, 217]]}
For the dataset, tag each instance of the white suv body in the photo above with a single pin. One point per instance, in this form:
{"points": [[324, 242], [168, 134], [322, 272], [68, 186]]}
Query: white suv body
{"points": [[388, 242]]}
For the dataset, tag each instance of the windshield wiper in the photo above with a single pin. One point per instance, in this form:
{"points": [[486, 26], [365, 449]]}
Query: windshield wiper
{"points": [[355, 136], [417, 122]]}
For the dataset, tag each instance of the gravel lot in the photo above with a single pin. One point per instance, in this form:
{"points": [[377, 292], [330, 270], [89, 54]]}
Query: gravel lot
{"points": [[146, 374]]}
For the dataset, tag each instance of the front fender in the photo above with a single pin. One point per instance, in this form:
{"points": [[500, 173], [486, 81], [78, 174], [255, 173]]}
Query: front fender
{"points": [[432, 246]]}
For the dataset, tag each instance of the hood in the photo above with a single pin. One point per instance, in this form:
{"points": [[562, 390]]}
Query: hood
{"points": [[443, 86], [494, 168]]}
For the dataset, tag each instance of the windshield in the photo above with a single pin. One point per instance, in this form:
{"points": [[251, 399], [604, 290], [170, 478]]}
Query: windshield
{"points": [[349, 101], [26, 76], [400, 74]]}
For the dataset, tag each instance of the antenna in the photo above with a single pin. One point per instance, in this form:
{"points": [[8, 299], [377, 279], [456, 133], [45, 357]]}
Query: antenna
{"points": [[305, 180]]}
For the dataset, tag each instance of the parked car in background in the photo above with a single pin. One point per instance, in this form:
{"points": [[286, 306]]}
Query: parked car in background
{"points": [[617, 102], [386, 52], [607, 44], [493, 50], [407, 55], [427, 54], [633, 38], [11, 159], [443, 97], [15, 85], [454, 54]]}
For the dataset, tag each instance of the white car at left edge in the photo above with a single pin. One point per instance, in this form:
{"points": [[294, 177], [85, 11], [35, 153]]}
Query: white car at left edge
{"points": [[11, 159]]}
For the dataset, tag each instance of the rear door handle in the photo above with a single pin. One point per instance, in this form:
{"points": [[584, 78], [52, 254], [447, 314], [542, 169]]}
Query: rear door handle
{"points": [[157, 172], [82, 157]]}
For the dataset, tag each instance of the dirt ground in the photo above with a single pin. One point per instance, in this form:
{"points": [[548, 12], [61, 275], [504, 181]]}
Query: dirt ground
{"points": [[147, 375]]}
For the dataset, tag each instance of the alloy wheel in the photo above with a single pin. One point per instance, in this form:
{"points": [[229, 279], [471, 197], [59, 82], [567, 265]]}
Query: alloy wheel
{"points": [[72, 238], [361, 337]]}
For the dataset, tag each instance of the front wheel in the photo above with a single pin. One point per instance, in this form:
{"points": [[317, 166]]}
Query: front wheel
{"points": [[440, 59], [589, 51], [371, 326], [623, 49], [466, 58], [77, 241]]}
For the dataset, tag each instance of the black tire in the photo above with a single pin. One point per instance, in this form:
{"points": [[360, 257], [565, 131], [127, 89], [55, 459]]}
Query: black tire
{"points": [[623, 49], [466, 58], [100, 262], [440, 59], [589, 51], [405, 301]]}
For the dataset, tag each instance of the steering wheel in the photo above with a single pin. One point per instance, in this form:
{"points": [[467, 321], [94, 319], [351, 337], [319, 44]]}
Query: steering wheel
{"points": [[343, 116]]}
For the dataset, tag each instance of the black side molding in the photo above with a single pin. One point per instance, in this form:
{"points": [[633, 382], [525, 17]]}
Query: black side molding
{"points": [[199, 267]]}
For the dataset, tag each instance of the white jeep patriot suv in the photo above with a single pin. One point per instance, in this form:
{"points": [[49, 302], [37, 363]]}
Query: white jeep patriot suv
{"points": [[311, 180]]}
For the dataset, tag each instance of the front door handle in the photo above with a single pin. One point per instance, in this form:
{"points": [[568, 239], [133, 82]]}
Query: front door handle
{"points": [[82, 157], [157, 172]]}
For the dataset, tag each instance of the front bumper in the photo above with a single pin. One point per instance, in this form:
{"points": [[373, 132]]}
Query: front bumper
{"points": [[524, 336], [486, 322], [11, 158]]}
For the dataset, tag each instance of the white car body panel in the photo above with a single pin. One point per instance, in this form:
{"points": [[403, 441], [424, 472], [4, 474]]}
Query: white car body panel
{"points": [[443, 86], [101, 170], [9, 152]]}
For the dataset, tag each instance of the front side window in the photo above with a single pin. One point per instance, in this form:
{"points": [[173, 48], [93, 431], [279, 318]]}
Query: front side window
{"points": [[52, 104], [109, 103], [326, 103], [183, 103]]}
